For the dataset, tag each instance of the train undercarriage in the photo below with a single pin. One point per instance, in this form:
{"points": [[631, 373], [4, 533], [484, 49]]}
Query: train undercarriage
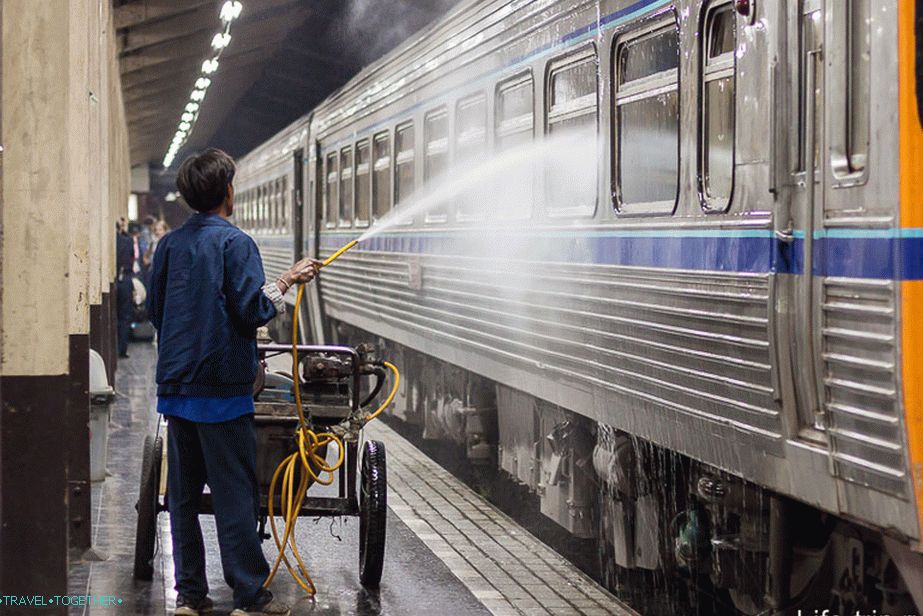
{"points": [[674, 535]]}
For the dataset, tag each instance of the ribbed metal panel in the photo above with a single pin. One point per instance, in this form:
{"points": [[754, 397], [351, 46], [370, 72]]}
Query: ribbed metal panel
{"points": [[693, 342], [276, 260], [866, 436]]}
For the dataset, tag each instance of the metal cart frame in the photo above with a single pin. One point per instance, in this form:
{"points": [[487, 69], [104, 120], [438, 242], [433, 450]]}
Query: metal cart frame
{"points": [[331, 392]]}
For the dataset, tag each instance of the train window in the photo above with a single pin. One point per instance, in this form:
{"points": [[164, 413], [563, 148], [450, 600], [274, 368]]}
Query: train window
{"points": [[346, 186], [850, 89], [277, 206], [259, 208], [647, 120], [570, 183], [514, 112], [718, 105], [362, 183], [435, 155], [381, 176], [245, 210], [274, 211], [513, 127], [251, 209], [248, 213], [330, 191], [283, 199], [404, 164], [269, 199], [470, 145]]}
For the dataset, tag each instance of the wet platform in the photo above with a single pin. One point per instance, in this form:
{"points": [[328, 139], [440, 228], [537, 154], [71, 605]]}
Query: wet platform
{"points": [[449, 551]]}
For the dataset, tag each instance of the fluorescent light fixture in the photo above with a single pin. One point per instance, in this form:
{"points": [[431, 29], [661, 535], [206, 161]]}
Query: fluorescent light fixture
{"points": [[221, 40], [231, 10]]}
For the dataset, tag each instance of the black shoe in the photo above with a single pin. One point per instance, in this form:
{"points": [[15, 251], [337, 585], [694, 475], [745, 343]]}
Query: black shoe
{"points": [[189, 607], [265, 605], [123, 355]]}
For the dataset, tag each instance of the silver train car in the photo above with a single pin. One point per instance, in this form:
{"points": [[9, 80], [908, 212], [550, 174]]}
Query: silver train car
{"points": [[718, 373]]}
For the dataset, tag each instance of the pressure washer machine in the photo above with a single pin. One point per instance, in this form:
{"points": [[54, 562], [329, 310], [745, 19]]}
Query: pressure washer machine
{"points": [[309, 429]]}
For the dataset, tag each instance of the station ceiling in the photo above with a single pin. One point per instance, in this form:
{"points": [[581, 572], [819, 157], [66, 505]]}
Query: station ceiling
{"points": [[284, 57]]}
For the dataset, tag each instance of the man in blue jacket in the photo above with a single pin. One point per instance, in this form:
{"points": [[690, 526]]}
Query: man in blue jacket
{"points": [[208, 296]]}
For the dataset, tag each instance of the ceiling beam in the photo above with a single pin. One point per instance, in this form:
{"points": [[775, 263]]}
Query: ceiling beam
{"points": [[200, 22], [141, 11], [269, 33]]}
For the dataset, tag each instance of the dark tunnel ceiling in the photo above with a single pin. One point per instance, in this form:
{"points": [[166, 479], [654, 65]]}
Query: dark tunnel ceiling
{"points": [[285, 56]]}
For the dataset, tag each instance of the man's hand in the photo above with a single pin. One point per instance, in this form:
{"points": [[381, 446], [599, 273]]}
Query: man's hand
{"points": [[303, 271]]}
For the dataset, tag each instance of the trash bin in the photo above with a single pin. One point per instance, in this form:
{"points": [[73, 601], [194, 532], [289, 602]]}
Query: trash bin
{"points": [[101, 397]]}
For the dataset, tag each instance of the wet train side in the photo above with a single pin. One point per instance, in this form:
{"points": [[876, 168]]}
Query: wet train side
{"points": [[718, 376]]}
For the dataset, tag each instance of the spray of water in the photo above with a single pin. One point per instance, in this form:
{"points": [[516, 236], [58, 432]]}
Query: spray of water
{"points": [[500, 190]]}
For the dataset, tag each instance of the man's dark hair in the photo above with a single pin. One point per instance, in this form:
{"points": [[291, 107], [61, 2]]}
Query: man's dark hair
{"points": [[133, 228], [203, 179]]}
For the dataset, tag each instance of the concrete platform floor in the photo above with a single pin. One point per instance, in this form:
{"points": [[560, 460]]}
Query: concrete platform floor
{"points": [[449, 552]]}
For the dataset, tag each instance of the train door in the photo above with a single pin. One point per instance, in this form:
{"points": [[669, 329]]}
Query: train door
{"points": [[806, 60], [843, 346], [312, 227], [298, 202]]}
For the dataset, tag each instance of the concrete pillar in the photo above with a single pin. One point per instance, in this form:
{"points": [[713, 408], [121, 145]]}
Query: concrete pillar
{"points": [[35, 291], [82, 132], [62, 125]]}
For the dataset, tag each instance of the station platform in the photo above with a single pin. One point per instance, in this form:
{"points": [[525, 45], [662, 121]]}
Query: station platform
{"points": [[449, 551]]}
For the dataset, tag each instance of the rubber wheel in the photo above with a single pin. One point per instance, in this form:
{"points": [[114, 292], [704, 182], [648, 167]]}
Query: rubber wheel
{"points": [[373, 514], [148, 506]]}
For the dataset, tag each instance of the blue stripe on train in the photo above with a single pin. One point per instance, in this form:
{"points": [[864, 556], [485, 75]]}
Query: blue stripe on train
{"points": [[883, 254]]}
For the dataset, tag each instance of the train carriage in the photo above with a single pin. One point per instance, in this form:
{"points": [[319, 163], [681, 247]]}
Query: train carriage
{"points": [[269, 202], [702, 350]]}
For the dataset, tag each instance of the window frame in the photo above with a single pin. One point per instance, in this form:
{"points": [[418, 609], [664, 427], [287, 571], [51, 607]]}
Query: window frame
{"points": [[470, 100], [275, 205], [502, 86], [260, 207], [571, 111], [841, 97], [367, 143], [441, 112], [395, 155], [640, 89], [283, 204], [329, 155], [715, 69], [347, 221], [499, 133], [384, 135]]}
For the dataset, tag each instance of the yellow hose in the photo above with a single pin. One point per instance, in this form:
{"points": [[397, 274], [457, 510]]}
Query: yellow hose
{"points": [[337, 254], [309, 444]]}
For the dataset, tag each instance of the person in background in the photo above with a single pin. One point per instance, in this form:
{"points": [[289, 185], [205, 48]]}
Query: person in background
{"points": [[125, 263], [134, 231], [207, 298], [147, 232], [159, 228]]}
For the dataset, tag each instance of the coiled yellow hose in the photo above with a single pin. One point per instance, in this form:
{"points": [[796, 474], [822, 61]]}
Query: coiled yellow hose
{"points": [[311, 454]]}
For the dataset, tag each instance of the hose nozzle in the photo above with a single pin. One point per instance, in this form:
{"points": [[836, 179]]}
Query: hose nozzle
{"points": [[337, 254]]}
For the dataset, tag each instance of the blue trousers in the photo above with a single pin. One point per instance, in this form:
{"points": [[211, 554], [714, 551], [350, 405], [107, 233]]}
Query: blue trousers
{"points": [[222, 455]]}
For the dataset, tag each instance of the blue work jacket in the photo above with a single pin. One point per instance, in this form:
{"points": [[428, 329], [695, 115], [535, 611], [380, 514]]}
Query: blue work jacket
{"points": [[206, 301]]}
